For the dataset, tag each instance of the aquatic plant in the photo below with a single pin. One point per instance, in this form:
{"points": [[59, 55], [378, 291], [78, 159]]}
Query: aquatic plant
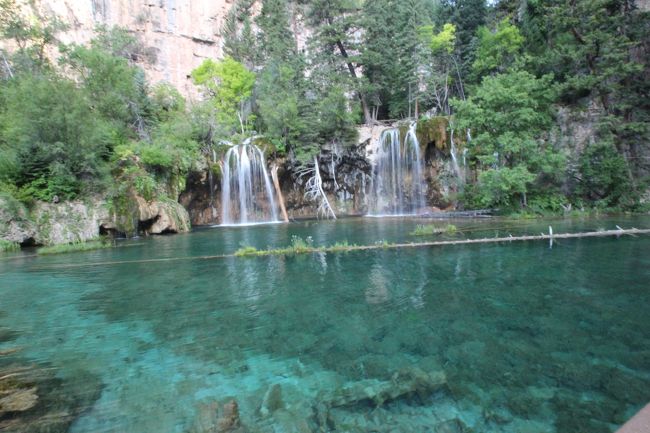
{"points": [[432, 229], [300, 245], [74, 247], [6, 246], [247, 251], [382, 243]]}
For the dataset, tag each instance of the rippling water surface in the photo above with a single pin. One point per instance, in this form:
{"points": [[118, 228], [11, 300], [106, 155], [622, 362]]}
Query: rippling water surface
{"points": [[526, 338]]}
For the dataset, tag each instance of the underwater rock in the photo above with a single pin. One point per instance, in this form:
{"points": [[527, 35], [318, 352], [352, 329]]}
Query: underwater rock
{"points": [[34, 400], [272, 400], [288, 422], [6, 335], [451, 426], [218, 418], [406, 383], [19, 400]]}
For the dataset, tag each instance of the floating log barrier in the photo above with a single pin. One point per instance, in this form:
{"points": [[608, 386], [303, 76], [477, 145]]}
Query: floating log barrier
{"points": [[377, 246]]}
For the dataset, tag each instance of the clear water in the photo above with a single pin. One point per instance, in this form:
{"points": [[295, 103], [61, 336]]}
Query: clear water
{"points": [[531, 338]]}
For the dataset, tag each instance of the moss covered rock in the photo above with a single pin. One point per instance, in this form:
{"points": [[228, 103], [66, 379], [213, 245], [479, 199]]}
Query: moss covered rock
{"points": [[434, 130]]}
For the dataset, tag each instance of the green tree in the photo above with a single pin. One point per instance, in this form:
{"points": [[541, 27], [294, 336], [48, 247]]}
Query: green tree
{"points": [[467, 16], [239, 40], [497, 51], [445, 76], [393, 56], [603, 176], [277, 41], [230, 85], [509, 115], [118, 90], [279, 106], [334, 47], [31, 37], [57, 146]]}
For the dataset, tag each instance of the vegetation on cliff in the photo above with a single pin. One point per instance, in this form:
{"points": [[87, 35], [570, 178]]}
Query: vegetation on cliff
{"points": [[87, 121]]}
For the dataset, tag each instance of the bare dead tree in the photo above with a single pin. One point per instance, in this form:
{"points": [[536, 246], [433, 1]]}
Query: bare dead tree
{"points": [[314, 190]]}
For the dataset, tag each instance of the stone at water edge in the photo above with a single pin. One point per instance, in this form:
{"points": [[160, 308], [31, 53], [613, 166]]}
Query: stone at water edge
{"points": [[162, 217]]}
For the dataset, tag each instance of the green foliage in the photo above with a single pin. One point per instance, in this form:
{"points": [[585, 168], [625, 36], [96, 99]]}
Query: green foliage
{"points": [[509, 114], [549, 203], [497, 50], [498, 186], [230, 84], [444, 40], [247, 251], [603, 176], [598, 50], [54, 143], [74, 247], [145, 185], [277, 42], [116, 90], [166, 102], [278, 105], [300, 245], [155, 156], [393, 55], [240, 42], [432, 229], [7, 246], [30, 35], [467, 16]]}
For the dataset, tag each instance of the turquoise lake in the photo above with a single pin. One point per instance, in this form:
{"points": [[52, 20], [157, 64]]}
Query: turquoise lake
{"points": [[150, 336]]}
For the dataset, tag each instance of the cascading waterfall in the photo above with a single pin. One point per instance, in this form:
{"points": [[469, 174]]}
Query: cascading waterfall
{"points": [[397, 186], [247, 194]]}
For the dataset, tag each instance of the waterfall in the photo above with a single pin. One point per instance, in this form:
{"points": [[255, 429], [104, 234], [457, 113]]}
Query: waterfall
{"points": [[397, 186], [211, 183], [247, 195], [460, 173]]}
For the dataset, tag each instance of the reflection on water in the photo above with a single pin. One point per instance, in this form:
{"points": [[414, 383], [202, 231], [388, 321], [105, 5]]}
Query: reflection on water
{"points": [[495, 338]]}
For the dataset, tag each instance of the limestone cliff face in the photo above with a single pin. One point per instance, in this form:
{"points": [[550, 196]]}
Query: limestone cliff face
{"points": [[177, 34]]}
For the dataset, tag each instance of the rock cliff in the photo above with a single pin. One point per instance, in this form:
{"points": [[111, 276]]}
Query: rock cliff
{"points": [[176, 34]]}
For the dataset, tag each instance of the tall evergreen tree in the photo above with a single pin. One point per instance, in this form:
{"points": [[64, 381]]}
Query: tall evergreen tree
{"points": [[335, 43], [393, 55], [467, 16]]}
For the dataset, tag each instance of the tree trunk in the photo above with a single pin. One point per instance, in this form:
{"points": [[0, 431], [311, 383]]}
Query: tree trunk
{"points": [[364, 104], [276, 184]]}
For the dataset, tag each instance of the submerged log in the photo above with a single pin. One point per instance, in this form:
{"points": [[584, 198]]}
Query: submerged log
{"points": [[477, 213], [408, 382]]}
